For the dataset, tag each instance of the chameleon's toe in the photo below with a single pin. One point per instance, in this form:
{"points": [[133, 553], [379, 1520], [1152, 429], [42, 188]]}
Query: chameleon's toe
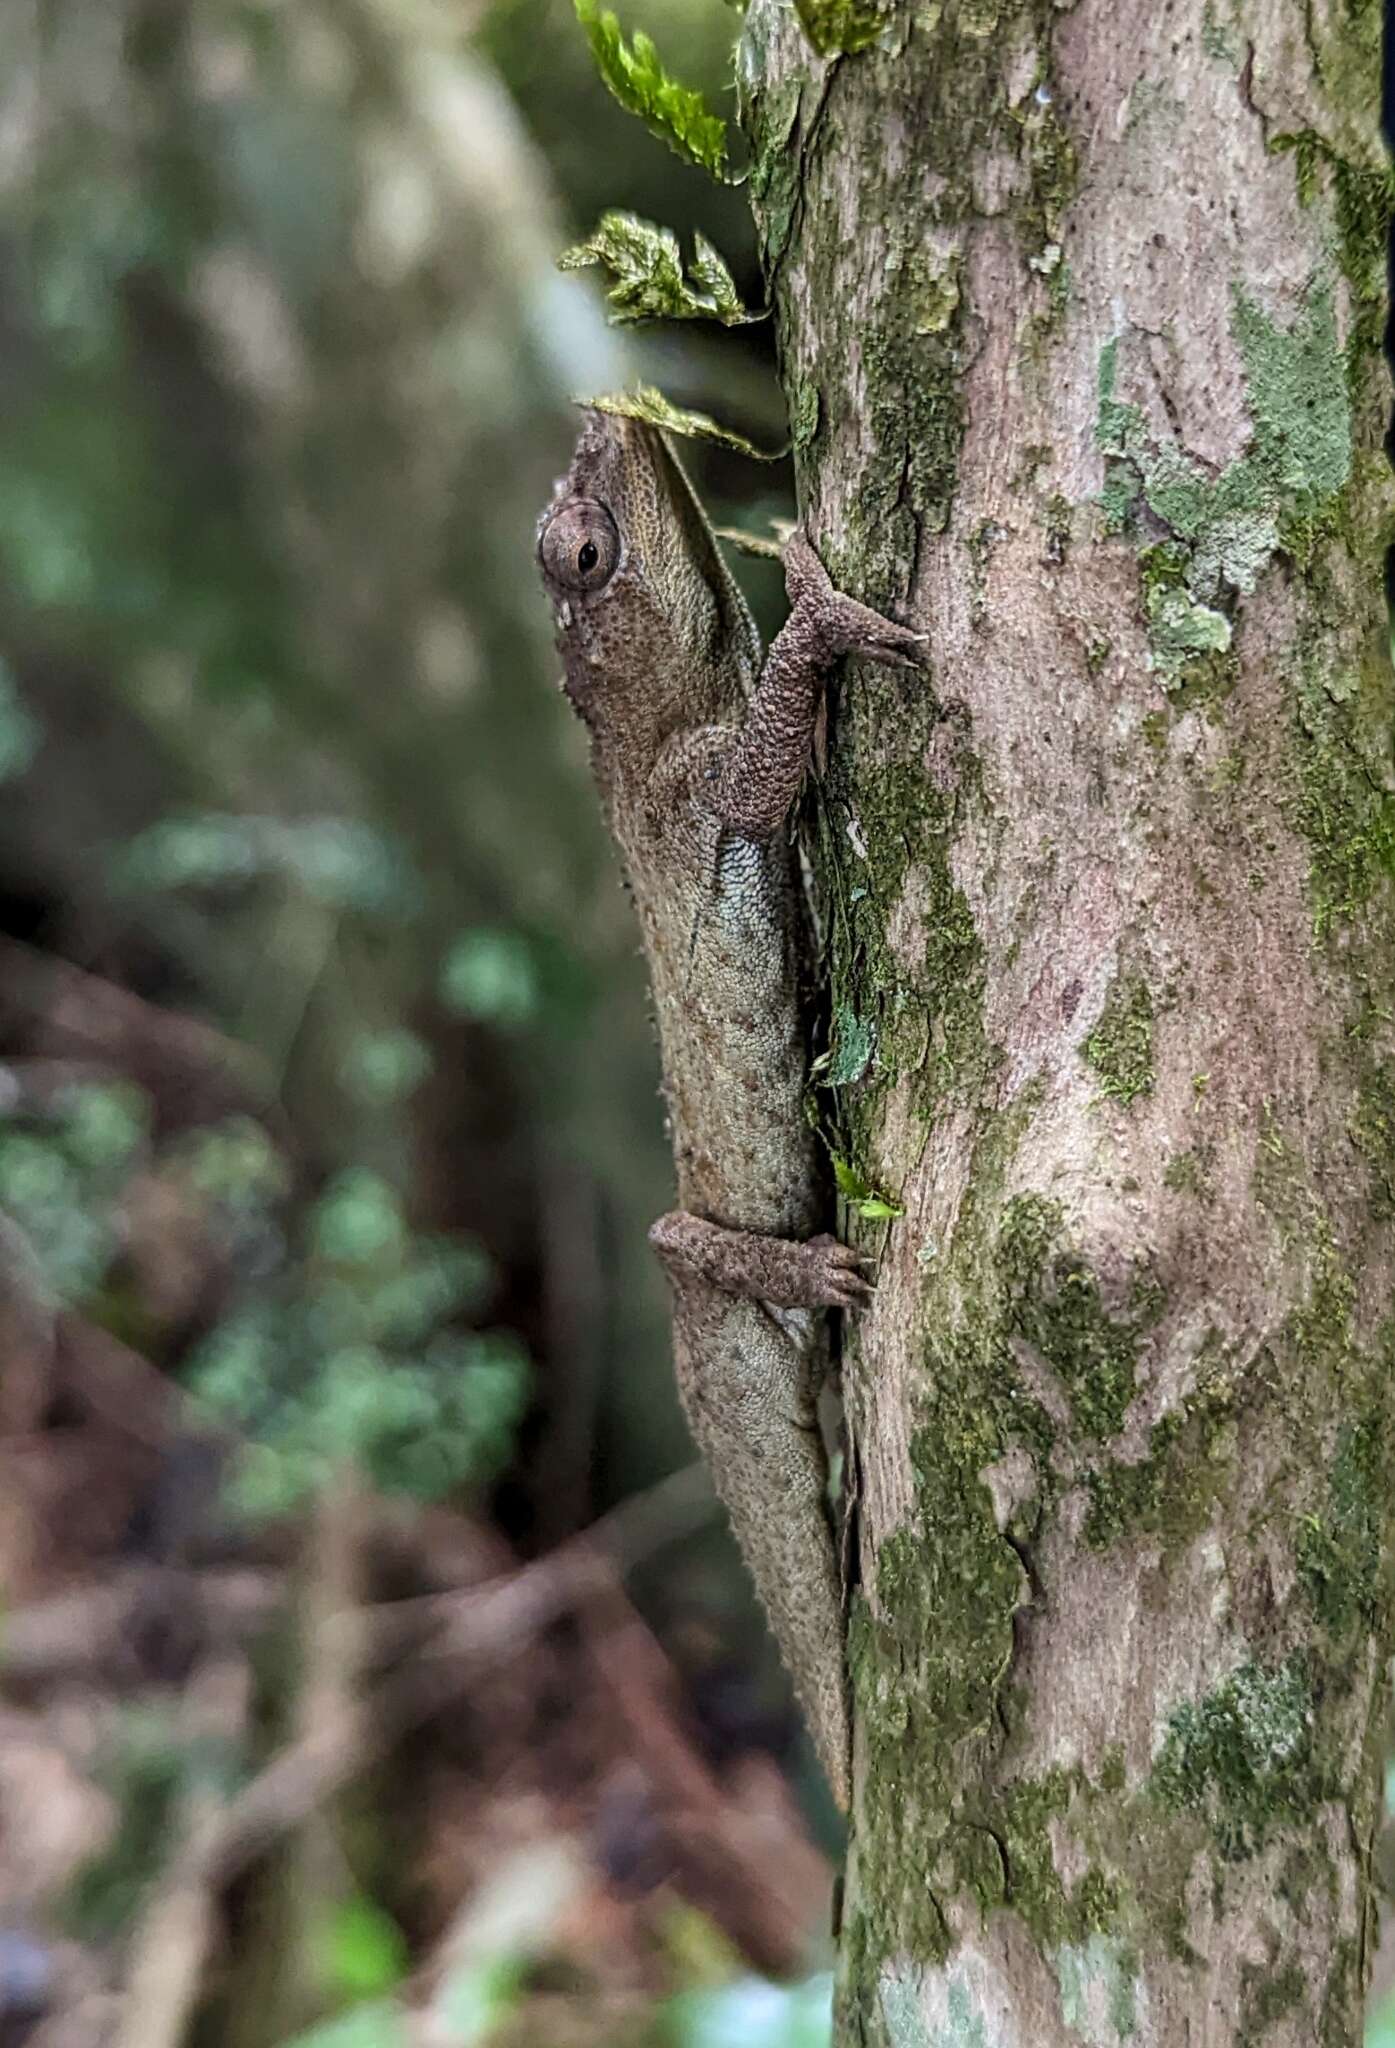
{"points": [[842, 1278]]}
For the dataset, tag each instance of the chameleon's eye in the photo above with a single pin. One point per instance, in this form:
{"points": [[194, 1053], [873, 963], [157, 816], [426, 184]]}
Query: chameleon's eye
{"points": [[580, 545]]}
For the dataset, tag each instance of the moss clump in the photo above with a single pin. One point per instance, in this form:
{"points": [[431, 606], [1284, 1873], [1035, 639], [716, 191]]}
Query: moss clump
{"points": [[1341, 1550], [1020, 1865], [842, 26], [1342, 808], [1120, 1048], [1052, 1301], [1268, 1994], [1241, 1757], [1363, 199], [1189, 1172], [926, 1018], [1372, 1128], [1170, 1493]]}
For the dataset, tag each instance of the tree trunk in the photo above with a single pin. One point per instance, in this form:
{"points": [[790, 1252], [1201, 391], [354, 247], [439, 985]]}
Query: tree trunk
{"points": [[1080, 316]]}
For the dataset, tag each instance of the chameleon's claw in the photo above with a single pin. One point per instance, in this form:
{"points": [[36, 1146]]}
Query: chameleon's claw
{"points": [[840, 1278]]}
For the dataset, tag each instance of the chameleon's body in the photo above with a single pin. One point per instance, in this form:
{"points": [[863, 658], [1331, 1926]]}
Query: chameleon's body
{"points": [[698, 752]]}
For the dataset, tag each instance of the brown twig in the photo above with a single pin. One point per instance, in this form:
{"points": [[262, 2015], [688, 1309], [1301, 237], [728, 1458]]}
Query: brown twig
{"points": [[171, 1946], [487, 1623]]}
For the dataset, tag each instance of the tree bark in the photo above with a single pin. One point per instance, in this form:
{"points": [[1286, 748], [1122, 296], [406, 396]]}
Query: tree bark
{"points": [[1080, 315]]}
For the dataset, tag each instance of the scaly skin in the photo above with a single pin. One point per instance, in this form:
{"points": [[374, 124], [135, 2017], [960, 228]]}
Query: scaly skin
{"points": [[698, 751]]}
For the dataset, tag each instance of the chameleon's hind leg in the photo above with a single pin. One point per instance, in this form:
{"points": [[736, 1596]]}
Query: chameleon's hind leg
{"points": [[816, 1273], [746, 1384]]}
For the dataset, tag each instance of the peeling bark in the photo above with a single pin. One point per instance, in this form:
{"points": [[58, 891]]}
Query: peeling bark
{"points": [[1080, 315]]}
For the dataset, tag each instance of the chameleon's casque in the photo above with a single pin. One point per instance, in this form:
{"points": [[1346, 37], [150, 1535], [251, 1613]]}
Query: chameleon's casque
{"points": [[698, 751]]}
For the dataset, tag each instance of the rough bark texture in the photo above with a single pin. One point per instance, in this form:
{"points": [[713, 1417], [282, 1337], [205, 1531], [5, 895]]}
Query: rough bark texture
{"points": [[1080, 314]]}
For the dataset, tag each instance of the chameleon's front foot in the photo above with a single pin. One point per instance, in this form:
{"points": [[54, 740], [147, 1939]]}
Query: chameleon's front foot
{"points": [[817, 1272], [840, 624]]}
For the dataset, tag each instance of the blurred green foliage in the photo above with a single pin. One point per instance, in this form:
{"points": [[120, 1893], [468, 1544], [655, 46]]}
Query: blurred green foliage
{"points": [[62, 1173], [476, 2001], [345, 1355], [362, 1950], [753, 2014]]}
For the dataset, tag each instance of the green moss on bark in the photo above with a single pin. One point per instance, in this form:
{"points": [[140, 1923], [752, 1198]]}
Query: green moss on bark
{"points": [[1243, 1757], [1053, 1304], [1120, 1048], [1170, 1493]]}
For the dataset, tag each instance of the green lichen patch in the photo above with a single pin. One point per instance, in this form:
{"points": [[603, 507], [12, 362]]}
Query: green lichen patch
{"points": [[1297, 394], [1221, 40], [1120, 1048], [1242, 1757], [1282, 493], [1179, 628], [1098, 1980]]}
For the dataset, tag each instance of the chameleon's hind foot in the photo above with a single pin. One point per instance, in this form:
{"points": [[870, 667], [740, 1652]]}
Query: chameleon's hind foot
{"points": [[817, 1272], [837, 1275]]}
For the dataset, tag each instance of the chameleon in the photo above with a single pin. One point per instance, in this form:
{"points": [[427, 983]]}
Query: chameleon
{"points": [[698, 748]]}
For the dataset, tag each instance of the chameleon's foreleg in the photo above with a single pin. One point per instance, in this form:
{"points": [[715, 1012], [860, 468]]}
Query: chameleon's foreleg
{"points": [[758, 781], [818, 1273]]}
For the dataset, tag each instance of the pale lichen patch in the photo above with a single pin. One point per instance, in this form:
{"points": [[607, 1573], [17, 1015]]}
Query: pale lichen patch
{"points": [[1099, 1985]]}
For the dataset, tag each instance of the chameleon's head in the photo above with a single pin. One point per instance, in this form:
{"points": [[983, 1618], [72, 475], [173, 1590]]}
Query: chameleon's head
{"points": [[642, 598]]}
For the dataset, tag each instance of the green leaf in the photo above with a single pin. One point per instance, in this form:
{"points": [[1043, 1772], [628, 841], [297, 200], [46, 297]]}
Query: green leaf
{"points": [[859, 1194], [363, 1951], [477, 1996], [380, 2025], [648, 404], [650, 283], [677, 115]]}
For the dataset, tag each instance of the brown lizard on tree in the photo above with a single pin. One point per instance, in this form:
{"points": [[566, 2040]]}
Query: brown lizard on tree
{"points": [[698, 750]]}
